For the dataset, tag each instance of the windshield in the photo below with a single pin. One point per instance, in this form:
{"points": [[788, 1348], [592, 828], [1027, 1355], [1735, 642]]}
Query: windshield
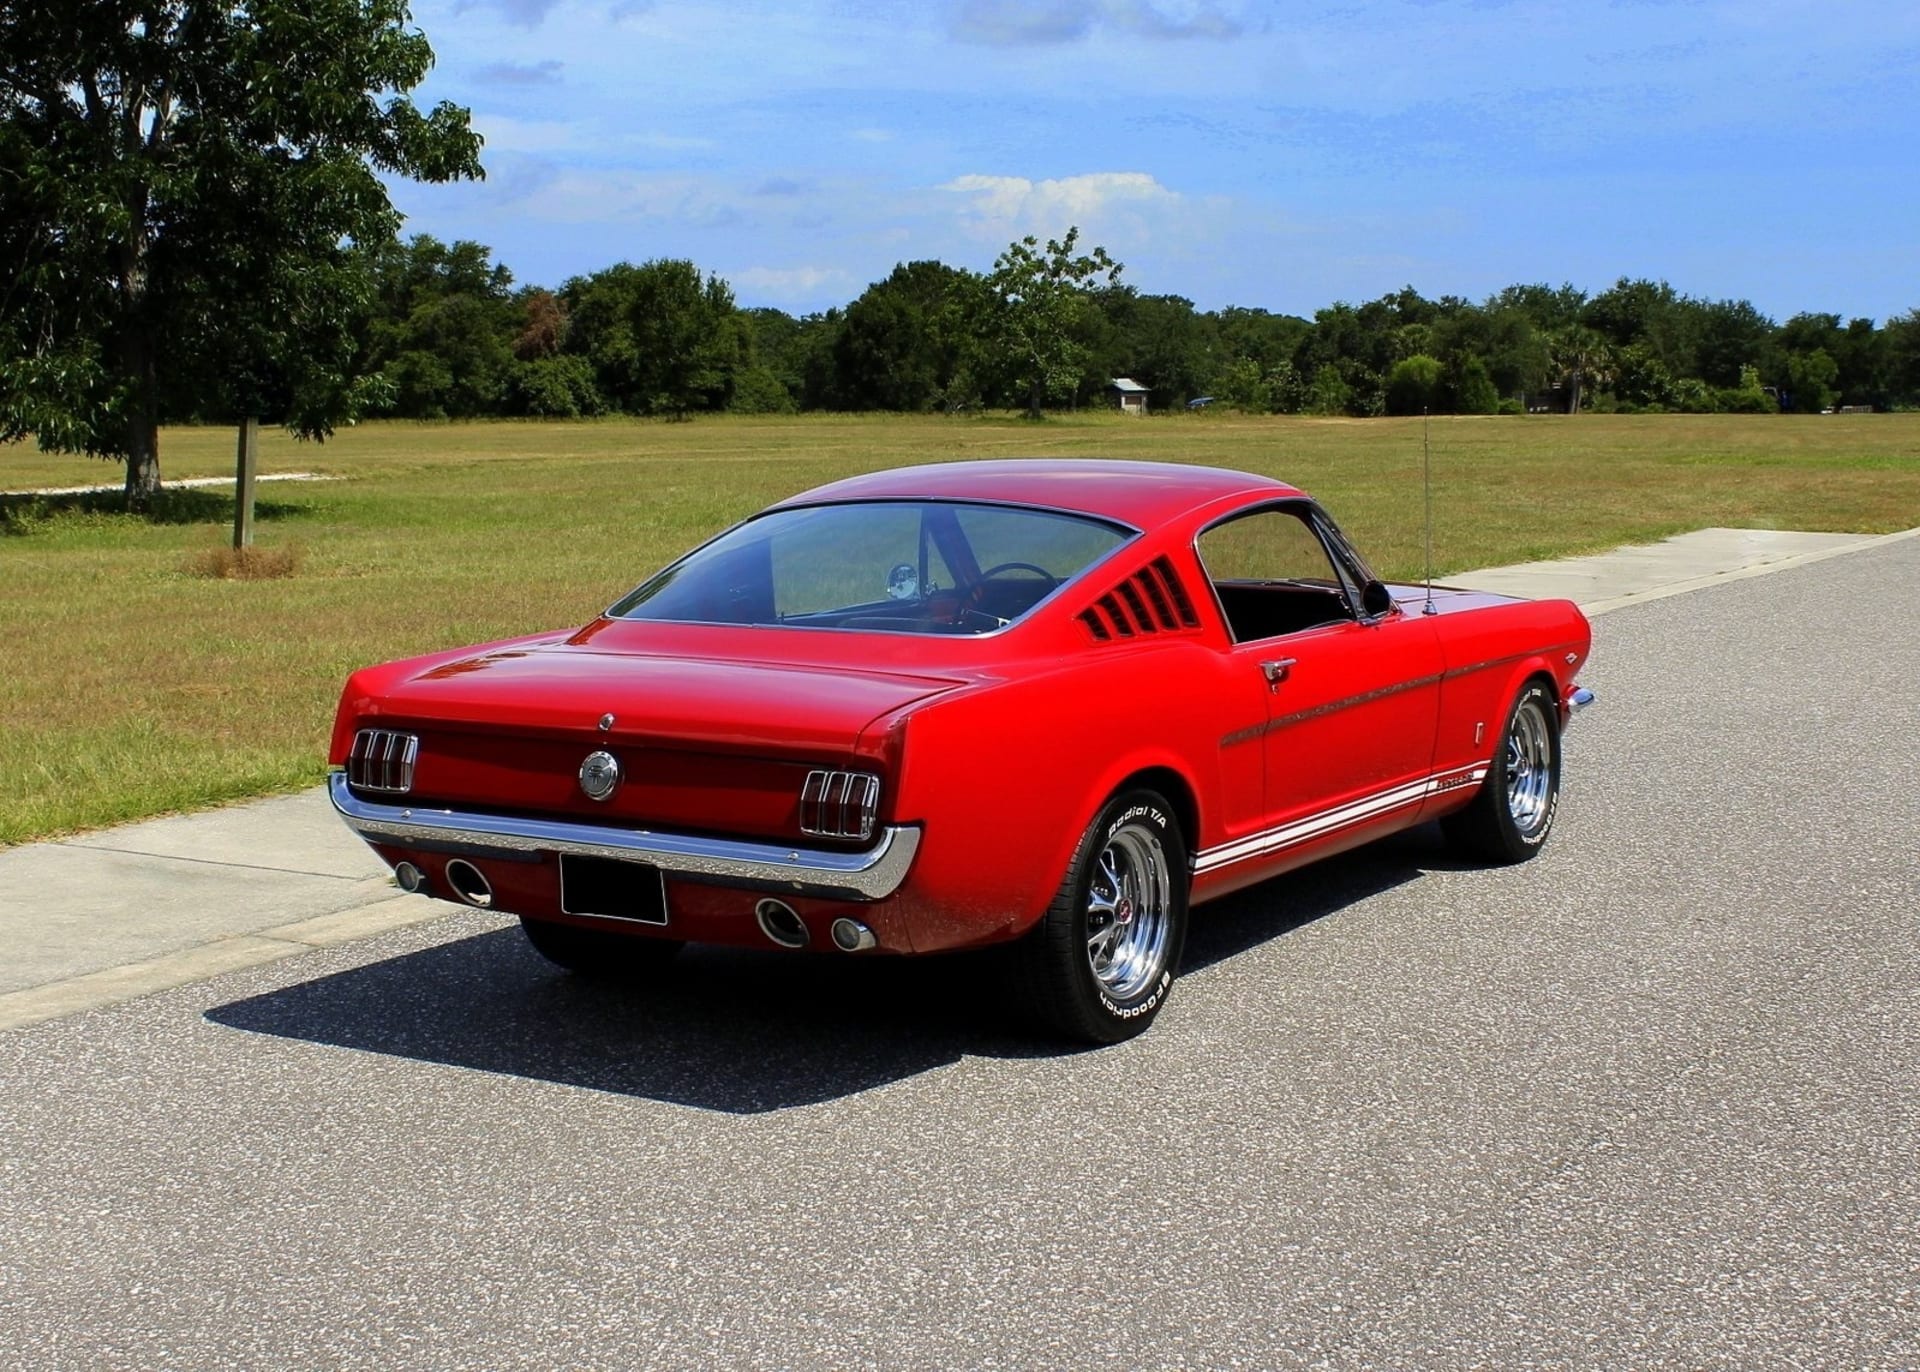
{"points": [[896, 566]]}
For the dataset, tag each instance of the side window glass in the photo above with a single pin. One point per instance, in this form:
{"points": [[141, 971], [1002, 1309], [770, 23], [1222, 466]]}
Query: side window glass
{"points": [[1272, 575], [1272, 545]]}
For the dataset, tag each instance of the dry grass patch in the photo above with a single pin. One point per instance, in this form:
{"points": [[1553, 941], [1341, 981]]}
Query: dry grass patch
{"points": [[245, 564]]}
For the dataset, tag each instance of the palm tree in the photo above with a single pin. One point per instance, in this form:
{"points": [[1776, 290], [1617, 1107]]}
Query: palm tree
{"points": [[1579, 356]]}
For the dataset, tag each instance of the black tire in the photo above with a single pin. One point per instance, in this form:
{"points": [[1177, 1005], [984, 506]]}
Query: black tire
{"points": [[1127, 881], [596, 952], [1509, 820]]}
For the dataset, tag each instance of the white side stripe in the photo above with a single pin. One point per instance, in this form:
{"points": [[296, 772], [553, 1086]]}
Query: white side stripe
{"points": [[1356, 812]]}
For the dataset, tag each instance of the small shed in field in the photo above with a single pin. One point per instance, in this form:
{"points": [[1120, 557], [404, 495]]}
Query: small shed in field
{"points": [[1127, 395]]}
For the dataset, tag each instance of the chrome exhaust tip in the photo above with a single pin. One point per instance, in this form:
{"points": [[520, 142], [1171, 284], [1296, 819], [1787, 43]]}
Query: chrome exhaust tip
{"points": [[779, 923], [468, 884], [409, 878], [851, 936]]}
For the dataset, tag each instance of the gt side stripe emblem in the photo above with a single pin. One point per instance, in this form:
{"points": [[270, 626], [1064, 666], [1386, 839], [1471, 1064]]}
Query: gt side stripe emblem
{"points": [[1356, 812]]}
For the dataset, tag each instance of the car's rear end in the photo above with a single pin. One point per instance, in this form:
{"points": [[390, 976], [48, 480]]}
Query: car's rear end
{"points": [[667, 794]]}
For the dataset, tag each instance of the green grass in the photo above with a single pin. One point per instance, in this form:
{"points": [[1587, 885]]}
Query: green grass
{"points": [[129, 686]]}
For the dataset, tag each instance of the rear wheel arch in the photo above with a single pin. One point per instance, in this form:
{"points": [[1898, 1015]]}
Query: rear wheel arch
{"points": [[1160, 776], [1100, 963], [1177, 791]]}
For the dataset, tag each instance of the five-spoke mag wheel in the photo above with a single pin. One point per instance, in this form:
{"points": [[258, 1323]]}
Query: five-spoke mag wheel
{"points": [[1532, 766], [1100, 964], [1129, 912], [1512, 814]]}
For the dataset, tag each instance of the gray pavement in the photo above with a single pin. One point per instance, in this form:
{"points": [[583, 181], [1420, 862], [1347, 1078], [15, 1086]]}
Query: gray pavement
{"points": [[1647, 1101], [103, 917]]}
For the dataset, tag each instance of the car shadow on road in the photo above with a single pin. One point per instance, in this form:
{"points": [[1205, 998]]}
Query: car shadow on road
{"points": [[1235, 924], [742, 1031]]}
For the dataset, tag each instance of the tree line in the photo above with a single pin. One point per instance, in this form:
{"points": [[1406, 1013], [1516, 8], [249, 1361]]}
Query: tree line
{"points": [[193, 226], [449, 335]]}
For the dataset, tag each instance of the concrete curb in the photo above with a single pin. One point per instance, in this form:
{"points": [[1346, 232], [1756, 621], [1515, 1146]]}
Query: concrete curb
{"points": [[1600, 607], [111, 986]]}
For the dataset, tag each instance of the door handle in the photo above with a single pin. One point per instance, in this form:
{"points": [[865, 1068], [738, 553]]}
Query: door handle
{"points": [[1277, 671]]}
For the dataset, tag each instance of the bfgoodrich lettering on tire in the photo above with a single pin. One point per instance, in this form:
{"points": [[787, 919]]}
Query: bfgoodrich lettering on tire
{"points": [[1510, 818], [1100, 964]]}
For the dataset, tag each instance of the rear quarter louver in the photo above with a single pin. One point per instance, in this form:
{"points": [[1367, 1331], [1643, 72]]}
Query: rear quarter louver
{"points": [[1152, 601]]}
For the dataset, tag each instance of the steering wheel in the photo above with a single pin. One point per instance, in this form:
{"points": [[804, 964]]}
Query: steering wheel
{"points": [[970, 600]]}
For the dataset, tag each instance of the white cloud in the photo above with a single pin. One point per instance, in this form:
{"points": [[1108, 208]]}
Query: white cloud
{"points": [[786, 284], [545, 73], [1022, 23], [526, 13], [1002, 203], [582, 196], [504, 133], [669, 142], [530, 14]]}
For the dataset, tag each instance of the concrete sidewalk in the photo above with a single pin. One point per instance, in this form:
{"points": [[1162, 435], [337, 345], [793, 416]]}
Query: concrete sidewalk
{"points": [[1653, 571], [173, 484], [104, 917]]}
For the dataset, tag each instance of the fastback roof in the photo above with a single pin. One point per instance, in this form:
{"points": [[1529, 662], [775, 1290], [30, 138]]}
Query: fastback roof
{"points": [[1139, 493]]}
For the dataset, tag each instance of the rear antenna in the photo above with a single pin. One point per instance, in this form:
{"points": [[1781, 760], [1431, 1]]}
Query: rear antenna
{"points": [[1426, 480]]}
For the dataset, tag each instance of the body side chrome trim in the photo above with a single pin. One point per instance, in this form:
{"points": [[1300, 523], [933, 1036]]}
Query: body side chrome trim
{"points": [[1254, 731], [1278, 722], [867, 876], [1504, 661], [1355, 812]]}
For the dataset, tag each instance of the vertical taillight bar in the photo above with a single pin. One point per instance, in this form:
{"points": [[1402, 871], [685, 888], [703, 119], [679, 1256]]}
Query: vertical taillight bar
{"points": [[836, 804]]}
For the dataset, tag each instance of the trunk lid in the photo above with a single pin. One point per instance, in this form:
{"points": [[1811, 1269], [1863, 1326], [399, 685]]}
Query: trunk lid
{"points": [[728, 705], [704, 744]]}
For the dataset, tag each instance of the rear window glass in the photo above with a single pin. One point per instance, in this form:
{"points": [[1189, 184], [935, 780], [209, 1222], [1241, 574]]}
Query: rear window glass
{"points": [[937, 567]]}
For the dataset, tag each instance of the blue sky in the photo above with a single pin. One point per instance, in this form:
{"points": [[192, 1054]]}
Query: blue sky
{"points": [[1274, 155]]}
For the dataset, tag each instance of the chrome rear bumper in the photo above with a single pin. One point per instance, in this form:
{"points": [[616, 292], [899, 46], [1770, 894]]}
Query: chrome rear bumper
{"points": [[1578, 701], [870, 875]]}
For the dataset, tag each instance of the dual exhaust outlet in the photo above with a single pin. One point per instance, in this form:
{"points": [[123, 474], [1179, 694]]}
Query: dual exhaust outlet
{"points": [[776, 918], [779, 923], [463, 878]]}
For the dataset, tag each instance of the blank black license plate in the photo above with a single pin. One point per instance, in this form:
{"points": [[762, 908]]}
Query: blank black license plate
{"points": [[612, 889]]}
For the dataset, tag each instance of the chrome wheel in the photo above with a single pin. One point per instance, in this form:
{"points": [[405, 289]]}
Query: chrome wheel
{"points": [[1509, 817], [1129, 912], [1530, 767]]}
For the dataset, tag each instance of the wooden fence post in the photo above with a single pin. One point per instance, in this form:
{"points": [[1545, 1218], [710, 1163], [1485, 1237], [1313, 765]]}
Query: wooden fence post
{"points": [[246, 465]]}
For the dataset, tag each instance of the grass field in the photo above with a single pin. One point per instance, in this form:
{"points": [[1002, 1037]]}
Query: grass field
{"points": [[132, 686]]}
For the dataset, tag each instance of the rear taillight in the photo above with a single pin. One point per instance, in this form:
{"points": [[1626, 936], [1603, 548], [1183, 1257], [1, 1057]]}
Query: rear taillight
{"points": [[839, 804], [382, 760]]}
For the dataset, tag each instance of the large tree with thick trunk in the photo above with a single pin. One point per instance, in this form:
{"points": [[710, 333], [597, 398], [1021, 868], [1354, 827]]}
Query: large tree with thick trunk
{"points": [[185, 188]]}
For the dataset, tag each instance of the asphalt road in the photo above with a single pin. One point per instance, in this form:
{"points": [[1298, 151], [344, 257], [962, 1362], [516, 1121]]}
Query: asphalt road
{"points": [[1647, 1101]]}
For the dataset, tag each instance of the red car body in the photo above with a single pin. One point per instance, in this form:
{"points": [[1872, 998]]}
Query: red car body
{"points": [[994, 752]]}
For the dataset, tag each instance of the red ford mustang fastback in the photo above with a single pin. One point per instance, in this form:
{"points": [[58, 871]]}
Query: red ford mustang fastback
{"points": [[1051, 703]]}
